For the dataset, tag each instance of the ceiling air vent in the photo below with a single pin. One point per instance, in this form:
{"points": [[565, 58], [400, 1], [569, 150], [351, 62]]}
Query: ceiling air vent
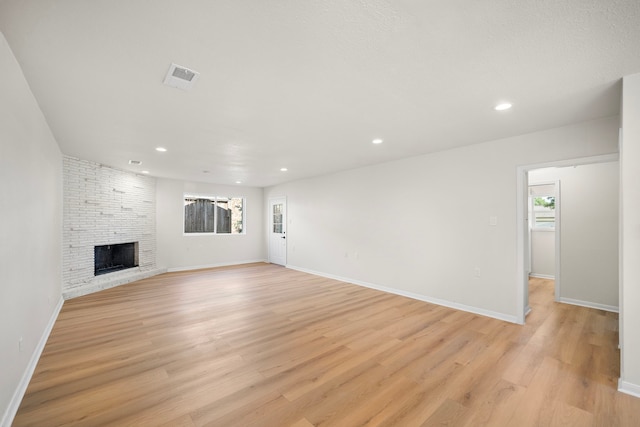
{"points": [[181, 77]]}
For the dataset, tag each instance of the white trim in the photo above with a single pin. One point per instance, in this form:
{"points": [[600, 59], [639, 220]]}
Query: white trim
{"points": [[605, 158], [221, 264], [588, 304], [522, 243], [419, 297], [621, 266], [14, 404], [628, 388], [556, 238], [558, 242], [542, 276]]}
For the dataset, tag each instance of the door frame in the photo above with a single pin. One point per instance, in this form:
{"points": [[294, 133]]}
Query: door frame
{"points": [[270, 226], [522, 223]]}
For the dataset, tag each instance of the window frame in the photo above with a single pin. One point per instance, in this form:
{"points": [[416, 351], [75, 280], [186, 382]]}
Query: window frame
{"points": [[532, 207], [213, 198], [534, 222]]}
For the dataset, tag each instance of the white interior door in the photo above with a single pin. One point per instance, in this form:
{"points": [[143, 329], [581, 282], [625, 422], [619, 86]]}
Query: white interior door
{"points": [[278, 231]]}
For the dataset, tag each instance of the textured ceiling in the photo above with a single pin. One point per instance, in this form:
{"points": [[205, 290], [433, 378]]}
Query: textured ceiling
{"points": [[309, 84]]}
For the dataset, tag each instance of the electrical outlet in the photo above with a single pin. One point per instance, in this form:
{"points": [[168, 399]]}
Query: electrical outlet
{"points": [[476, 272]]}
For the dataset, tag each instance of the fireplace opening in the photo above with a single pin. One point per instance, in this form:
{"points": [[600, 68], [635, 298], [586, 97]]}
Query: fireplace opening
{"points": [[110, 258]]}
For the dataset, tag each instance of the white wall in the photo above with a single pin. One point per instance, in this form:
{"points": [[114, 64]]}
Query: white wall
{"points": [[30, 232], [420, 226], [543, 253], [177, 251], [588, 232], [630, 236]]}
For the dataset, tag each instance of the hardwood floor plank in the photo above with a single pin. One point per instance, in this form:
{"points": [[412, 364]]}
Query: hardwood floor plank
{"points": [[330, 371], [183, 421], [540, 395], [495, 405], [447, 414], [261, 345], [570, 416], [302, 423]]}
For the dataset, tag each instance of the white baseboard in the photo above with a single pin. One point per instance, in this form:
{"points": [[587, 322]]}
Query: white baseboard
{"points": [[14, 404], [588, 304], [542, 276], [419, 297], [222, 264], [628, 388]]}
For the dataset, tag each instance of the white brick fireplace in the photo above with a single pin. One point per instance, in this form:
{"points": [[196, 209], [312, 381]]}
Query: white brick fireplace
{"points": [[105, 206]]}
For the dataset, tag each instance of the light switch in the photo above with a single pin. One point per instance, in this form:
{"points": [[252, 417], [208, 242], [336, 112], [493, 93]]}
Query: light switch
{"points": [[493, 220]]}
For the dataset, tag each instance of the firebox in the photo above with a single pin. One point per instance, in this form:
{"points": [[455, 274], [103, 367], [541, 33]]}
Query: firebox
{"points": [[110, 258]]}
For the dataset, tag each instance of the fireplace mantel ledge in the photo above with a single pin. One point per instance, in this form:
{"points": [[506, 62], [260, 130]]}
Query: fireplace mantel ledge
{"points": [[111, 280]]}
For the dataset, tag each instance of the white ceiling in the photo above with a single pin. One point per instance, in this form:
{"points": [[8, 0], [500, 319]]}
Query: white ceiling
{"points": [[309, 84]]}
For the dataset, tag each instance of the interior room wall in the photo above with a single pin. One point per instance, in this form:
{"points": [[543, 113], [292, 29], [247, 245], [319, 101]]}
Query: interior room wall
{"points": [[588, 232], [543, 253], [177, 251], [630, 236], [423, 226], [30, 232]]}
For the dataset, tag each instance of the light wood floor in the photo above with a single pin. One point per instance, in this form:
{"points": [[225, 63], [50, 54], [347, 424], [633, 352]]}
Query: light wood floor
{"points": [[260, 345]]}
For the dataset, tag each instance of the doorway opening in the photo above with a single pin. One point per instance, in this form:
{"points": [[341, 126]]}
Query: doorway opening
{"points": [[525, 218], [544, 227]]}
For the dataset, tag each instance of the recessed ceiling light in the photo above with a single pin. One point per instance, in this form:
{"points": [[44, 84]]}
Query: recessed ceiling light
{"points": [[238, 182], [283, 169], [377, 141], [135, 162], [145, 172], [161, 149], [503, 106]]}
